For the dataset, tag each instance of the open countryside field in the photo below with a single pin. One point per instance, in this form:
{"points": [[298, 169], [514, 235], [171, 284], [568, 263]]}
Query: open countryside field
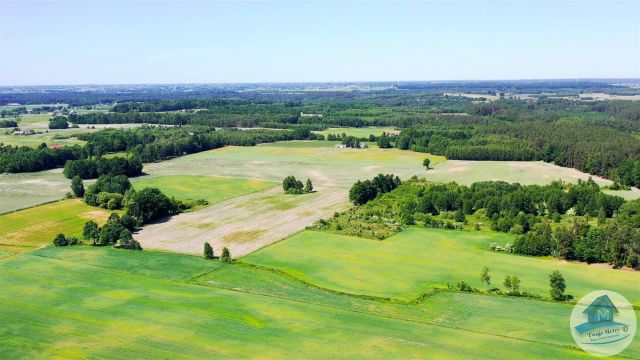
{"points": [[249, 222], [19, 191], [466, 172], [415, 260], [319, 160], [31, 228], [359, 132], [211, 188], [243, 224], [67, 307]]}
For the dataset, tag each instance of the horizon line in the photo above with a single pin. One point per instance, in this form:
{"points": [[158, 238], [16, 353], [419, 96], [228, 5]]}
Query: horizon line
{"points": [[329, 82]]}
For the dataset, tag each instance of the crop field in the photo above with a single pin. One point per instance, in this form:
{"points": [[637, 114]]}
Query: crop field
{"points": [[524, 172], [211, 188], [27, 229], [81, 303], [19, 191], [359, 132], [243, 224], [415, 260], [249, 222], [319, 160]]}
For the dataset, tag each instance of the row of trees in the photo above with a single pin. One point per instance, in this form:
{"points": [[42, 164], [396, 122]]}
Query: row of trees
{"points": [[363, 191], [92, 168], [146, 144]]}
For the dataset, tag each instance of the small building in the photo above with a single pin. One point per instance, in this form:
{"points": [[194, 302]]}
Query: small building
{"points": [[363, 145], [55, 146], [23, 132], [342, 146]]}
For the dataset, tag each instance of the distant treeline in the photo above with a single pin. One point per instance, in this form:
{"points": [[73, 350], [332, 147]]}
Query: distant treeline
{"points": [[144, 143]]}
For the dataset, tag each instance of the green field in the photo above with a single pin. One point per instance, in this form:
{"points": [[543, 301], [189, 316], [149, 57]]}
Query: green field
{"points": [[23, 190], [321, 161], [27, 229], [358, 132], [211, 188], [107, 303], [410, 263]]}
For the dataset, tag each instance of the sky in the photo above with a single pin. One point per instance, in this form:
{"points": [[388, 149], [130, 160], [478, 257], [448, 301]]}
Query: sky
{"points": [[143, 42]]}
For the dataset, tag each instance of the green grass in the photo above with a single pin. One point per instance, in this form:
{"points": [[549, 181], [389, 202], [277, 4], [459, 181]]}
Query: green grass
{"points": [[357, 132], [532, 320], [18, 191], [152, 263], [211, 188], [412, 262], [77, 305], [27, 229], [319, 160]]}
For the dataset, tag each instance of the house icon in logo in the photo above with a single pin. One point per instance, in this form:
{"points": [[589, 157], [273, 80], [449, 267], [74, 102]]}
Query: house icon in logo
{"points": [[600, 314]]}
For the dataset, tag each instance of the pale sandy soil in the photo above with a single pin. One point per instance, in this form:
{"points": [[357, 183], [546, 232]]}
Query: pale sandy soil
{"points": [[243, 224]]}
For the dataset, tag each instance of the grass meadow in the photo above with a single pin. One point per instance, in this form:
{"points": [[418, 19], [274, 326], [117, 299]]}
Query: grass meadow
{"points": [[321, 161], [358, 132], [412, 262], [107, 303], [19, 191], [211, 188], [27, 229]]}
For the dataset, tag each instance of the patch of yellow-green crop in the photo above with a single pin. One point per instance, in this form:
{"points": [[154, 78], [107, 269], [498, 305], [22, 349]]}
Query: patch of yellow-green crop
{"points": [[27, 229], [211, 188]]}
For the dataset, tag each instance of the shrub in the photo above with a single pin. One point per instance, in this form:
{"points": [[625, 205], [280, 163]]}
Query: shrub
{"points": [[60, 240]]}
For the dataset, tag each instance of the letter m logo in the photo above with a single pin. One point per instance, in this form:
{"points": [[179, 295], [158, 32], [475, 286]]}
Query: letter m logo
{"points": [[604, 314]]}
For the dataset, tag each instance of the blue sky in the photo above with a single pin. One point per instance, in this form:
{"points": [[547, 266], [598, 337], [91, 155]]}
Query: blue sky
{"points": [[110, 42]]}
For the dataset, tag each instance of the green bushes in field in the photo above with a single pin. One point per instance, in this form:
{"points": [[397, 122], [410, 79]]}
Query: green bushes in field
{"points": [[116, 232], [293, 186], [63, 240]]}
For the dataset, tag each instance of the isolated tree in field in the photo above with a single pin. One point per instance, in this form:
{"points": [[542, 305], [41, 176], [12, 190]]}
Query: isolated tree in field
{"points": [[226, 255], [291, 185], [91, 231], [208, 251], [308, 187], [557, 285], [484, 276], [426, 163], [77, 187]]}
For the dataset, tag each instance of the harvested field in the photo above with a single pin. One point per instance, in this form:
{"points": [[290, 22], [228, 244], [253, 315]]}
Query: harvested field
{"points": [[243, 224]]}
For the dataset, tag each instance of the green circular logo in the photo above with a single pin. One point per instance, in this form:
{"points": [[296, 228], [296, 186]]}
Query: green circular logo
{"points": [[603, 323]]}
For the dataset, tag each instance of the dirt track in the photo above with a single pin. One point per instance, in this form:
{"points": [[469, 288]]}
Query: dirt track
{"points": [[243, 224]]}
